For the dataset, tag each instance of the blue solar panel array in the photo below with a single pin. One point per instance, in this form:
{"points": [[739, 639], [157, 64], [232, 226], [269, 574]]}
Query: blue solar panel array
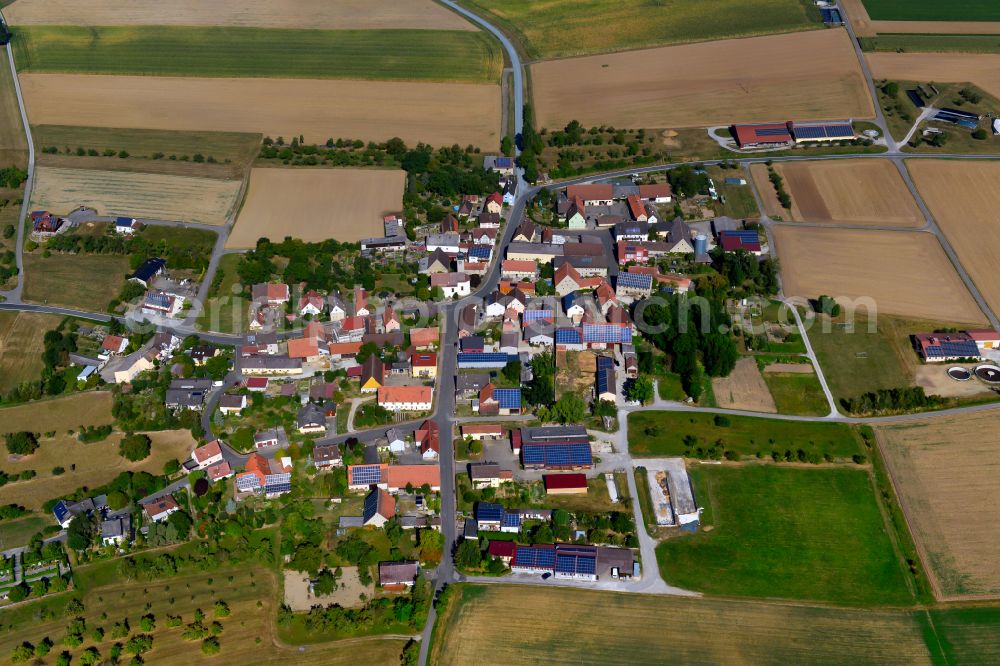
{"points": [[247, 483], [480, 252], [557, 455], [365, 475], [834, 131], [482, 359], [607, 333], [159, 300], [960, 118], [276, 488], [538, 315], [576, 564], [509, 398], [489, 512], [511, 520], [745, 235], [568, 336], [605, 362], [962, 348], [605, 380], [771, 131], [635, 280], [539, 558]]}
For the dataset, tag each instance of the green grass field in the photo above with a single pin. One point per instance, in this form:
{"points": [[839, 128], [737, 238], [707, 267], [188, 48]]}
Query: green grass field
{"points": [[858, 361], [425, 55], [568, 626], [225, 312], [84, 282], [567, 27], [968, 635], [15, 533], [792, 533], [932, 43], [235, 147], [797, 393], [933, 10], [654, 433]]}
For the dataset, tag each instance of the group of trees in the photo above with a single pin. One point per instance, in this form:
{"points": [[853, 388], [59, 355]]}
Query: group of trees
{"points": [[541, 389], [328, 265], [744, 274], [191, 251], [22, 443], [784, 198], [690, 331], [12, 177], [888, 401], [688, 181]]}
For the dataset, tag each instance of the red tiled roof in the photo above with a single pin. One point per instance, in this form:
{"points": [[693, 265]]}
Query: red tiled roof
{"points": [[256, 382], [210, 450], [303, 347], [564, 481], [593, 192], [398, 476], [502, 549]]}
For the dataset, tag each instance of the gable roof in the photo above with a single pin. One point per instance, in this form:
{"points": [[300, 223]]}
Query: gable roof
{"points": [[208, 451], [303, 347]]}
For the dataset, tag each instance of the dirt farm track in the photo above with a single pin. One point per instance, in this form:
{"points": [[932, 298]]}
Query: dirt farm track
{"points": [[316, 204], [805, 75], [964, 199], [435, 113], [905, 274], [316, 14]]}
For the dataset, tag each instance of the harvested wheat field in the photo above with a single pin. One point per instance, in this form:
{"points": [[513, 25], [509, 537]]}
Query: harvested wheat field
{"points": [[981, 69], [945, 471], [435, 113], [21, 347], [90, 465], [963, 197], [744, 388], [644, 628], [894, 272], [849, 192], [316, 14], [806, 75], [345, 204], [143, 195]]}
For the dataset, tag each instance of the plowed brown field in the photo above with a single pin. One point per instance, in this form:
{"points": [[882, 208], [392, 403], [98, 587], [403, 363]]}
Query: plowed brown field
{"points": [[895, 272], [806, 75], [744, 388], [964, 199], [435, 113], [945, 473], [318, 14], [317, 204], [849, 192]]}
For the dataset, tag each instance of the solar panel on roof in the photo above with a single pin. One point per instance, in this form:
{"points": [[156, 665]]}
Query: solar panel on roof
{"points": [[511, 520], [508, 398], [494, 358], [575, 564], [541, 558], [536, 315], [771, 131], [489, 511], [366, 475], [567, 336], [248, 483], [557, 455], [605, 362], [607, 333], [271, 489], [605, 379], [635, 280]]}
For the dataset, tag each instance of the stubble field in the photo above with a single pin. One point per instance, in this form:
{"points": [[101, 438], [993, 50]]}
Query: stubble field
{"points": [[744, 388], [868, 192], [13, 142], [963, 198], [574, 626], [322, 14], [945, 473], [144, 195], [808, 75], [317, 204], [435, 113], [982, 70], [901, 273]]}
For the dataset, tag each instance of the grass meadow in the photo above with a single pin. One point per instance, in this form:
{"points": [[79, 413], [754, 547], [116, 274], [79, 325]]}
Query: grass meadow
{"points": [[21, 346], [796, 393], [933, 10], [424, 55], [655, 433], [569, 626], [85, 282], [792, 533], [561, 28], [932, 43]]}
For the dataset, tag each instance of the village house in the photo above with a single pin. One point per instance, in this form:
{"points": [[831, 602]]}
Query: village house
{"points": [[372, 374], [232, 403], [398, 576], [494, 203], [148, 270], [112, 345], [488, 475], [157, 302], [633, 286], [207, 455], [519, 269], [269, 294], [424, 365], [424, 338], [428, 440], [327, 455], [158, 510], [452, 284], [406, 398]]}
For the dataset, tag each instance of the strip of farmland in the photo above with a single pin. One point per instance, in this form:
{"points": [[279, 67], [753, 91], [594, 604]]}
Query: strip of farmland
{"points": [[422, 55], [435, 113]]}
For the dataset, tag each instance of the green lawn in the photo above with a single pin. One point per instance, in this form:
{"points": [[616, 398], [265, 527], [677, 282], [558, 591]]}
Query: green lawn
{"points": [[210, 51], [788, 532], [224, 311], [739, 202], [655, 433], [85, 282], [859, 361], [14, 533], [797, 393], [568, 27], [932, 43], [933, 10]]}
